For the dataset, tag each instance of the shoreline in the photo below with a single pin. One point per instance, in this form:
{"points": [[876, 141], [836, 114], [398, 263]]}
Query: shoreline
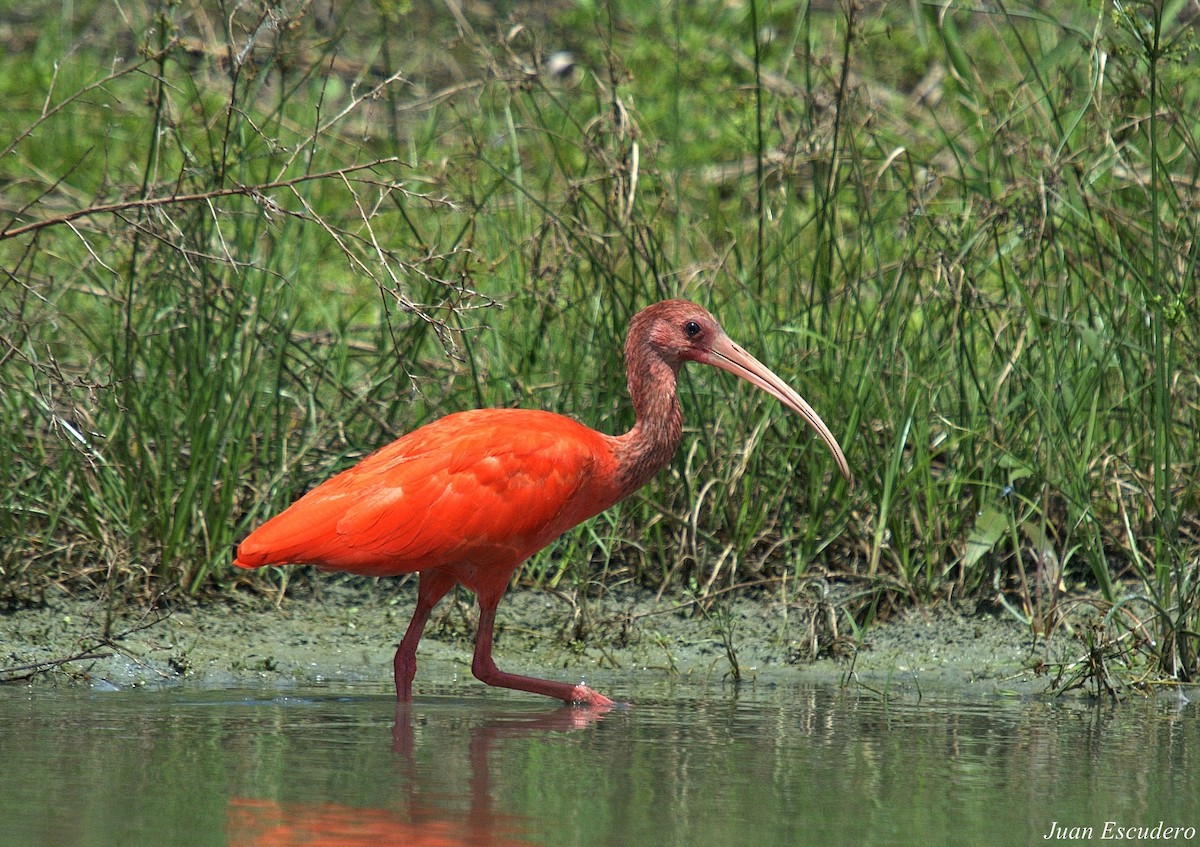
{"points": [[342, 632]]}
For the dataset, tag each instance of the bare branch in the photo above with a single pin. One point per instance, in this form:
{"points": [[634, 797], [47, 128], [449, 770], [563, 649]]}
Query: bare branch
{"points": [[49, 112], [203, 196]]}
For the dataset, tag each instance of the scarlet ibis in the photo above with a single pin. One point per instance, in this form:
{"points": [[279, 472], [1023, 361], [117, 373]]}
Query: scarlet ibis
{"points": [[468, 498]]}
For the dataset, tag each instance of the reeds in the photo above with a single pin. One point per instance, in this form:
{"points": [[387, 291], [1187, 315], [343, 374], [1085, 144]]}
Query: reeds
{"points": [[241, 249]]}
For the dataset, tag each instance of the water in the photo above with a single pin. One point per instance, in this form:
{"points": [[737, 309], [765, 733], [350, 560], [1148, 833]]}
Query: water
{"points": [[773, 765]]}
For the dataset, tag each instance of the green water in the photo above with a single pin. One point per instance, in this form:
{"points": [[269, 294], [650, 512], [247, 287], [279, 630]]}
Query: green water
{"points": [[771, 765]]}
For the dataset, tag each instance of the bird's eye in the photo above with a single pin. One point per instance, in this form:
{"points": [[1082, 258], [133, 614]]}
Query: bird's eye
{"points": [[692, 328]]}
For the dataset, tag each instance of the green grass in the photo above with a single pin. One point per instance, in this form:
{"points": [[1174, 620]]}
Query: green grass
{"points": [[240, 253]]}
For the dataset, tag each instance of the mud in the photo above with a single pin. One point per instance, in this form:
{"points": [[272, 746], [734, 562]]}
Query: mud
{"points": [[346, 631]]}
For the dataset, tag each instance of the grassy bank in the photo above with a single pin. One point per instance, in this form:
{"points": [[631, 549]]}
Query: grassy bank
{"points": [[244, 245]]}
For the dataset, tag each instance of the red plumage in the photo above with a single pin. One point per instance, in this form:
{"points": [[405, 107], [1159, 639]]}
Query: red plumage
{"points": [[480, 486], [471, 496]]}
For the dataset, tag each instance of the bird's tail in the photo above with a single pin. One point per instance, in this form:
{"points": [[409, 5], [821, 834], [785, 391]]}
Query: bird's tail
{"points": [[247, 556]]}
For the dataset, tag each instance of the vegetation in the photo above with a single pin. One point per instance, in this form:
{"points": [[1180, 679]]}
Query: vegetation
{"points": [[242, 244]]}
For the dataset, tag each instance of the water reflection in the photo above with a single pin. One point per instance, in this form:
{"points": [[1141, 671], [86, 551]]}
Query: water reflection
{"points": [[421, 820], [269, 823], [765, 765]]}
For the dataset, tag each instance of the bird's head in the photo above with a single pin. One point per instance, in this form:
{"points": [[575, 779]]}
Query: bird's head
{"points": [[678, 331]]}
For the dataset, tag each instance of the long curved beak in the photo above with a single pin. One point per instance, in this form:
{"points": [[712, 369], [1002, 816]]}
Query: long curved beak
{"points": [[729, 356]]}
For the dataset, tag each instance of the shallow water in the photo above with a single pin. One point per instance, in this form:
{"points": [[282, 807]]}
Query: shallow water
{"points": [[688, 765]]}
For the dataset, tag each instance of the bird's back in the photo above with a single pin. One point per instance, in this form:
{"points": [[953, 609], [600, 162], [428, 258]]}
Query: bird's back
{"points": [[482, 487]]}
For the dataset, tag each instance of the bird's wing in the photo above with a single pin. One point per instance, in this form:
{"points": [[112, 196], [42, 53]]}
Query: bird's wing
{"points": [[478, 486]]}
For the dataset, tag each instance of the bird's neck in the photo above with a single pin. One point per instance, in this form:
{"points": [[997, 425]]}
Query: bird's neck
{"points": [[649, 446]]}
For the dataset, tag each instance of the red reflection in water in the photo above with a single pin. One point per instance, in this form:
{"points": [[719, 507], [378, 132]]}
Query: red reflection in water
{"points": [[270, 823]]}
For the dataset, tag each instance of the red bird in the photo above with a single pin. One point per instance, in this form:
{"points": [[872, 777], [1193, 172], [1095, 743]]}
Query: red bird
{"points": [[468, 498]]}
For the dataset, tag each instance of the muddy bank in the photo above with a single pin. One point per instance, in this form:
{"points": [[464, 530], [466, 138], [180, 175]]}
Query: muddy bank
{"points": [[334, 631]]}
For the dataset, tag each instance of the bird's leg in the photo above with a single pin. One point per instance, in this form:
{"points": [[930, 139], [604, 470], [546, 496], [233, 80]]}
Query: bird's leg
{"points": [[432, 586], [485, 670]]}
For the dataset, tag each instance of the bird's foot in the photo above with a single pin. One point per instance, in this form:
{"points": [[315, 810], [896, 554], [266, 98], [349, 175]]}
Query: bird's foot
{"points": [[581, 695]]}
